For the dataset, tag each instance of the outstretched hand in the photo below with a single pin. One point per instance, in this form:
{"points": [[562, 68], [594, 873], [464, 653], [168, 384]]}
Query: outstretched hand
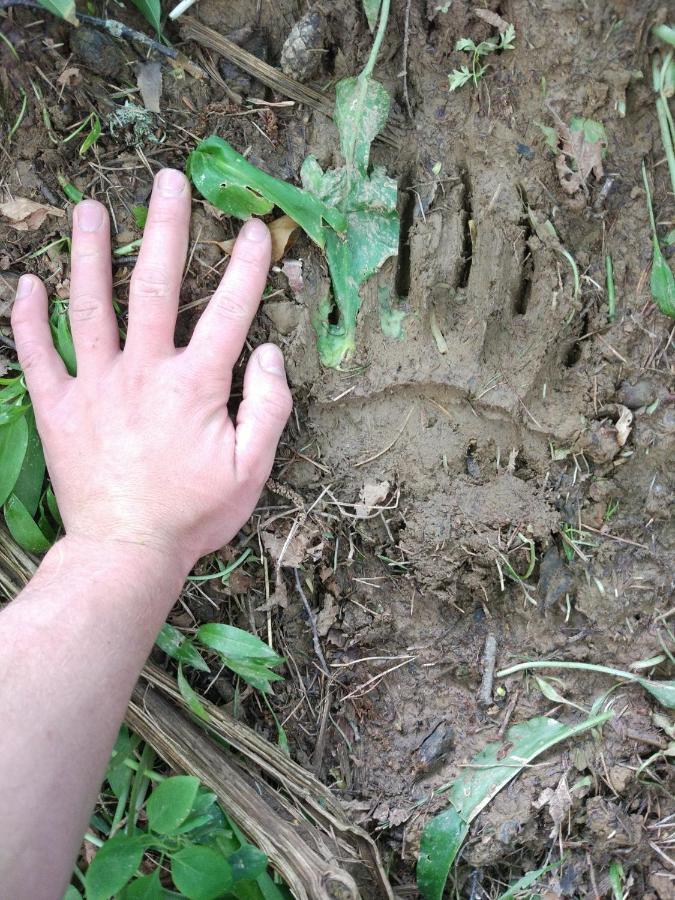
{"points": [[139, 445]]}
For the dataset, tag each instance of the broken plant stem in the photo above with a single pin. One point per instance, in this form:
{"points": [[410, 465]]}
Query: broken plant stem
{"points": [[312, 622]]}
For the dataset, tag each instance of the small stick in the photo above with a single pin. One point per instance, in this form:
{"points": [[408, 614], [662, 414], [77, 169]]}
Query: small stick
{"points": [[120, 30], [406, 44], [312, 622], [489, 659], [362, 462]]}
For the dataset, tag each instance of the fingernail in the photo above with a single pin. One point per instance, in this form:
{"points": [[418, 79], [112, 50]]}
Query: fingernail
{"points": [[25, 287], [254, 230], [171, 183], [271, 360], [89, 215]]}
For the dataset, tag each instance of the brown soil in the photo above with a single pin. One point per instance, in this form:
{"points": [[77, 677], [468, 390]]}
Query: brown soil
{"points": [[495, 415]]}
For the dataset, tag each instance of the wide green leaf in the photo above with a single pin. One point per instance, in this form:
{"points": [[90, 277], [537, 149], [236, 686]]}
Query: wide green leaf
{"points": [[10, 413], [235, 643], [23, 528], [28, 487], [114, 865], [247, 863], [201, 873], [64, 9], [170, 803], [441, 839], [477, 785], [148, 887], [361, 112], [151, 10], [232, 184], [13, 444]]}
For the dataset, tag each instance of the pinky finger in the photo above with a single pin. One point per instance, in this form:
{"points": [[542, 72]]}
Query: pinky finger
{"points": [[43, 367], [262, 415]]}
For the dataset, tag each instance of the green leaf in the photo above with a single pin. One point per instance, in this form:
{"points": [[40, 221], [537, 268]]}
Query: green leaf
{"points": [[23, 528], [72, 893], [458, 77], [9, 414], [63, 339], [593, 131], [140, 214], [662, 282], [13, 444], [254, 673], [441, 839], [477, 785], [148, 887], [114, 864], [528, 880], [232, 184], [361, 112], [190, 696], [170, 803], [28, 487], [247, 863], [616, 879], [64, 9], [372, 10], [235, 643], [201, 873], [151, 10], [178, 647], [94, 134], [664, 691], [466, 44]]}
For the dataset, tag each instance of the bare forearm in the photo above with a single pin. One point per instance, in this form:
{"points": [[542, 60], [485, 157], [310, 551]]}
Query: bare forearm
{"points": [[73, 644]]}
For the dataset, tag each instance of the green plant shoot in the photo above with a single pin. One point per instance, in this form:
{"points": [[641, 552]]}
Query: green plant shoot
{"points": [[662, 281], [349, 212], [459, 77]]}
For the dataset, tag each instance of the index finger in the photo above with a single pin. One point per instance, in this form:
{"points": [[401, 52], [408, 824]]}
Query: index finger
{"points": [[221, 331]]}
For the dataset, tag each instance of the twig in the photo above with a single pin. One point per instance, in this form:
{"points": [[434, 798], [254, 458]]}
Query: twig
{"points": [[193, 30], [312, 622], [7, 342], [363, 462], [489, 659], [120, 30]]}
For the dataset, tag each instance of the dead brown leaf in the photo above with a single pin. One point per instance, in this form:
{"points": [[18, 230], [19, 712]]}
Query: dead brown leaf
{"points": [[558, 801], [69, 77], [27, 215], [585, 156], [326, 618], [282, 230], [286, 550], [373, 494], [149, 80], [492, 18], [623, 425]]}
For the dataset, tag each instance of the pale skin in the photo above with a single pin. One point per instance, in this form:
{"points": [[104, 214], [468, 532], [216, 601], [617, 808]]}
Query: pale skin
{"points": [[150, 473]]}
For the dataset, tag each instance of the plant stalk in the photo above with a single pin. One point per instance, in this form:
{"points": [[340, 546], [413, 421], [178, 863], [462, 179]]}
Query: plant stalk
{"points": [[663, 114], [377, 43]]}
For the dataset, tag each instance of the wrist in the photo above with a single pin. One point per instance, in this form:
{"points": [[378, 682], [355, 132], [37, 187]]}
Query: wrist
{"points": [[157, 571]]}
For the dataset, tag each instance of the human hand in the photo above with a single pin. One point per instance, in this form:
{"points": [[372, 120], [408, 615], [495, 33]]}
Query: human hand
{"points": [[140, 446]]}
